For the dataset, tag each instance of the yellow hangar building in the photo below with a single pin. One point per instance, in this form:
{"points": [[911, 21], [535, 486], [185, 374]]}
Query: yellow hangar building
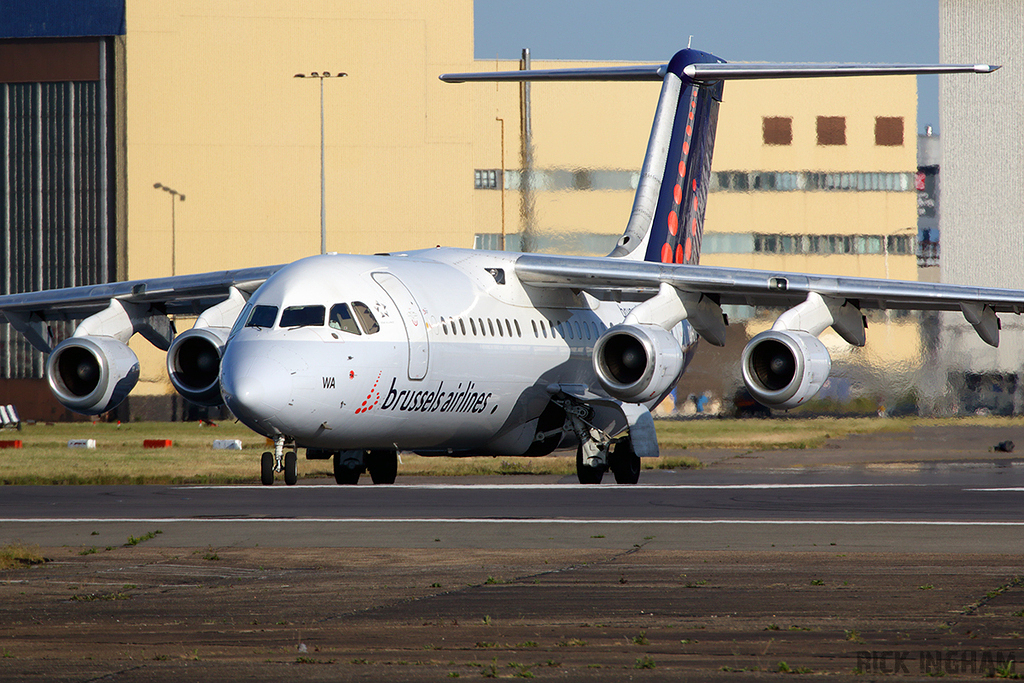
{"points": [[203, 153]]}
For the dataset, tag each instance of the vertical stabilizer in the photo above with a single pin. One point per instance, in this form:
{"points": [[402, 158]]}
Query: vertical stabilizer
{"points": [[667, 220]]}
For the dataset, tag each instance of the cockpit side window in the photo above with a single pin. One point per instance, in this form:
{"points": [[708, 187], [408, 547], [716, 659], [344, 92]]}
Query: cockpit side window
{"points": [[366, 318], [341, 319], [302, 316], [262, 316]]}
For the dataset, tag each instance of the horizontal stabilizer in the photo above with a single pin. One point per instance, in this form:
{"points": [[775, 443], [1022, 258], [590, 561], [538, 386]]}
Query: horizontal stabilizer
{"points": [[645, 72], [708, 72], [719, 72]]}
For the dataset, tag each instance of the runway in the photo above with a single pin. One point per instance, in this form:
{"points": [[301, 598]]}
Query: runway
{"points": [[872, 511], [698, 573]]}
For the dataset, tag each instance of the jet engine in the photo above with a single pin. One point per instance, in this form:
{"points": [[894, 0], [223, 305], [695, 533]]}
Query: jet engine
{"points": [[637, 363], [92, 374], [784, 368], [193, 364]]}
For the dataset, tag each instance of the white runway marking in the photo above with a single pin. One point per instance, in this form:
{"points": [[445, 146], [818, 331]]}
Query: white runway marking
{"points": [[542, 487], [1016, 489], [474, 520]]}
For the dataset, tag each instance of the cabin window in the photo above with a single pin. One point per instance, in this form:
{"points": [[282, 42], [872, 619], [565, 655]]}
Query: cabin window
{"points": [[462, 325], [519, 332], [341, 319], [444, 326], [579, 335], [544, 329], [262, 316], [472, 326], [365, 317], [490, 326], [302, 316], [536, 332], [483, 330], [508, 326]]}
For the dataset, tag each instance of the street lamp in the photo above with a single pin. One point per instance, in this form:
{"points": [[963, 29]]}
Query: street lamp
{"points": [[323, 207], [174, 195]]}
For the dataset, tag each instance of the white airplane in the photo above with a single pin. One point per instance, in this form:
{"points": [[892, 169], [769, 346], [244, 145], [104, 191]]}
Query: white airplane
{"points": [[461, 352]]}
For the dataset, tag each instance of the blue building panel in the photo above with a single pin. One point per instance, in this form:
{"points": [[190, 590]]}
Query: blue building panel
{"points": [[61, 18]]}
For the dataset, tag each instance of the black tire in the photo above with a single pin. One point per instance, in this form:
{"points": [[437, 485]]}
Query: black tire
{"points": [[624, 463], [346, 472], [586, 474], [267, 469], [291, 468], [382, 466]]}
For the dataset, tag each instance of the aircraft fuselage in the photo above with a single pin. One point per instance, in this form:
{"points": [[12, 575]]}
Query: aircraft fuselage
{"points": [[448, 337]]}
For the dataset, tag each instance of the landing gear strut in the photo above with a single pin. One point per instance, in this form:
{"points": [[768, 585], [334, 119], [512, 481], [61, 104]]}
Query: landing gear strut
{"points": [[279, 461]]}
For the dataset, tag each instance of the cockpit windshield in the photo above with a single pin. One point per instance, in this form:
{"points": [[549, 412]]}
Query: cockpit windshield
{"points": [[262, 316], [342, 320], [366, 317], [303, 316]]}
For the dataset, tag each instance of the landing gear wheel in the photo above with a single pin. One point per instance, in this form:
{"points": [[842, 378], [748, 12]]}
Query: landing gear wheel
{"points": [[267, 469], [383, 466], [346, 472], [291, 468], [624, 463], [586, 474]]}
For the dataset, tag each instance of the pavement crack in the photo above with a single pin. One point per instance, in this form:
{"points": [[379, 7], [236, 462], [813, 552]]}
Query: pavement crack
{"points": [[972, 609], [110, 675], [637, 547]]}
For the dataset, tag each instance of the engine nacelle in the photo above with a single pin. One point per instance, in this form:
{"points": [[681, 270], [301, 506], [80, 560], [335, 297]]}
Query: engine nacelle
{"points": [[92, 374], [637, 363], [193, 364], [783, 369]]}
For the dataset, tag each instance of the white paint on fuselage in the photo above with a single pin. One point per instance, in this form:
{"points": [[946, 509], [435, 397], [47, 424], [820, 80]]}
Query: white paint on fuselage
{"points": [[492, 350]]}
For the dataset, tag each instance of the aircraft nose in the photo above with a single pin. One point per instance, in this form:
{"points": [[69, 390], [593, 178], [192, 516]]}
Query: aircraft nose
{"points": [[256, 388]]}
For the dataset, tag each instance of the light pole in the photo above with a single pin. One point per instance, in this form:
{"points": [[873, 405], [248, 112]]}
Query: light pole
{"points": [[174, 195], [323, 206]]}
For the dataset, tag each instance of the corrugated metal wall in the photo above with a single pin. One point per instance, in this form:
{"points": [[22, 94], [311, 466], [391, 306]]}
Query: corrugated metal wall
{"points": [[56, 196]]}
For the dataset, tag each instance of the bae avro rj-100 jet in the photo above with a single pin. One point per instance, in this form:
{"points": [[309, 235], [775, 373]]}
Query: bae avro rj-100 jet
{"points": [[462, 352]]}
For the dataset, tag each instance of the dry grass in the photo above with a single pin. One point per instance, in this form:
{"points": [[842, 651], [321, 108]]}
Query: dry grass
{"points": [[120, 458], [798, 433], [18, 555]]}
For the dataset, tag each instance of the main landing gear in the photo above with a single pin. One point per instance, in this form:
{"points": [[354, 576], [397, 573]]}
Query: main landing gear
{"points": [[619, 458], [597, 451], [382, 465], [279, 461]]}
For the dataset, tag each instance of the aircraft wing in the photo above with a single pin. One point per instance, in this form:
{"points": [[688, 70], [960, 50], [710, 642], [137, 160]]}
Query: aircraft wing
{"points": [[178, 295], [758, 287], [623, 279]]}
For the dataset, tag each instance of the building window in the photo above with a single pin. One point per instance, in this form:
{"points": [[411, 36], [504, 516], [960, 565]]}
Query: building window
{"points": [[777, 130], [831, 130], [889, 131], [486, 179]]}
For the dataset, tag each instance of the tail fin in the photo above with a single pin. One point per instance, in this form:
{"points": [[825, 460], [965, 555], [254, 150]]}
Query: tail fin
{"points": [[667, 220]]}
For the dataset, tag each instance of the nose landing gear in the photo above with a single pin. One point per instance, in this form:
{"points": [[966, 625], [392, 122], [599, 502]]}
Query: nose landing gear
{"points": [[279, 461]]}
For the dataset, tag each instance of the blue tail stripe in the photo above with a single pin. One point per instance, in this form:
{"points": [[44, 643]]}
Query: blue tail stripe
{"points": [[678, 227]]}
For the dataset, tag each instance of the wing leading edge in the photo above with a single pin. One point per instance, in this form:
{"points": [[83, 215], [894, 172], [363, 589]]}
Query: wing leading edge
{"points": [[178, 295], [757, 287], [741, 286]]}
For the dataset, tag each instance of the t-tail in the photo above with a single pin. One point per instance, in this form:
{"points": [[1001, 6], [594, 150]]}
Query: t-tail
{"points": [[667, 221]]}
